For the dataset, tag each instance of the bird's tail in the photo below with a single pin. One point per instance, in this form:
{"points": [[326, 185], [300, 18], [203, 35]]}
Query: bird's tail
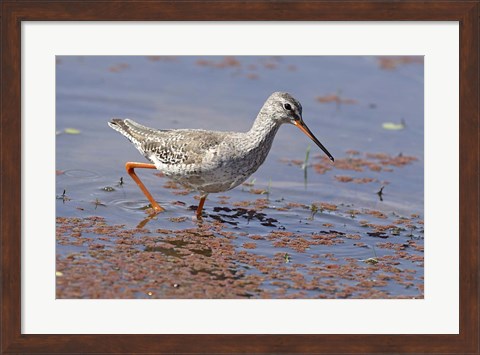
{"points": [[136, 133]]}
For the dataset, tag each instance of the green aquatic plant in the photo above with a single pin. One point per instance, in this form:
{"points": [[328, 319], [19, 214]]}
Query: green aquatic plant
{"points": [[72, 131], [314, 210], [305, 166], [307, 154], [372, 261], [97, 203], [251, 183], [267, 191], [391, 126]]}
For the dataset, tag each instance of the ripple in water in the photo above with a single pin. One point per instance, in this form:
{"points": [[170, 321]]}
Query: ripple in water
{"points": [[129, 205], [82, 174]]}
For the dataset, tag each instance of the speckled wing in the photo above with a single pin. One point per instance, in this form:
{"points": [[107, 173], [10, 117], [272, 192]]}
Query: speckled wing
{"points": [[169, 147]]}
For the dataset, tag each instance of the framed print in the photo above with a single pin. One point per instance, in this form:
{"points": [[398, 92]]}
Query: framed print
{"points": [[354, 232]]}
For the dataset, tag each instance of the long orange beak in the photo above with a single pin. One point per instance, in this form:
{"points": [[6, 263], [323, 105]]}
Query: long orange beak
{"points": [[303, 127]]}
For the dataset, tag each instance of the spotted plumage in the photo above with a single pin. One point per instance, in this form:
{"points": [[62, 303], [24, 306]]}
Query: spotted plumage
{"points": [[214, 161]]}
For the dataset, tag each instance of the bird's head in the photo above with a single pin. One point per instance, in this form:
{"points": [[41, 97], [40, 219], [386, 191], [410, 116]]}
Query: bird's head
{"points": [[284, 108]]}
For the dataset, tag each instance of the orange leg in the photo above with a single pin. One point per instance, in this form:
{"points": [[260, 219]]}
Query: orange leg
{"points": [[130, 166], [200, 206]]}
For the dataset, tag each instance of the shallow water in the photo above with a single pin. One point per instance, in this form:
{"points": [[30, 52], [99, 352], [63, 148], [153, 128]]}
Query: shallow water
{"points": [[330, 253]]}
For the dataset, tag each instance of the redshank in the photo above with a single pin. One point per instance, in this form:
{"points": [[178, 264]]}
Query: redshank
{"points": [[211, 161]]}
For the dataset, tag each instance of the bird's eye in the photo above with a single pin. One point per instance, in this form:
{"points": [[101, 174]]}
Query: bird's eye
{"points": [[287, 107]]}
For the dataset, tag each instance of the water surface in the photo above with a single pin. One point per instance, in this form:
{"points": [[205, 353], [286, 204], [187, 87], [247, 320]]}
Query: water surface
{"points": [[323, 234]]}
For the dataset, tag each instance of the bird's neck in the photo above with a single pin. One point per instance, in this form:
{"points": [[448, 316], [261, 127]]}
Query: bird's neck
{"points": [[262, 132]]}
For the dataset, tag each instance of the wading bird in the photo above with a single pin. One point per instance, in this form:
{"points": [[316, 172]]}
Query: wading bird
{"points": [[211, 161]]}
